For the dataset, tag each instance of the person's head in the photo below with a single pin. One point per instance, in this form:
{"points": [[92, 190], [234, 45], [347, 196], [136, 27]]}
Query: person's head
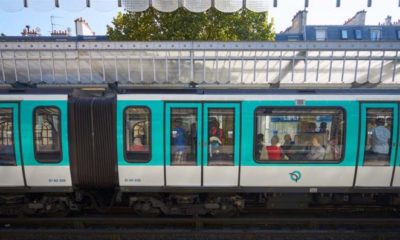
{"points": [[315, 141], [380, 122], [178, 122], [137, 141], [274, 140], [287, 138], [260, 137], [323, 126], [312, 126]]}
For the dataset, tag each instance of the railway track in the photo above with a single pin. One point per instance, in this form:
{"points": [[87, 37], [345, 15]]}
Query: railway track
{"points": [[273, 227]]}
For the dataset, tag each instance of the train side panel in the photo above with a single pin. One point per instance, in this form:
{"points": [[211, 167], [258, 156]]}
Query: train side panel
{"points": [[297, 174], [149, 173], [51, 172], [11, 169]]}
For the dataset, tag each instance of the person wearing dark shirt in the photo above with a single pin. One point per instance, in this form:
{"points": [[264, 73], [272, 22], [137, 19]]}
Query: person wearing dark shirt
{"points": [[179, 141]]}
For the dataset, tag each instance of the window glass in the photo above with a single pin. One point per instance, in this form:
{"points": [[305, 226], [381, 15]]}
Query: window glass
{"points": [[344, 34], [137, 134], [375, 35], [398, 34], [221, 136], [320, 35], [358, 34], [183, 136], [7, 156], [288, 134], [379, 137], [47, 134]]}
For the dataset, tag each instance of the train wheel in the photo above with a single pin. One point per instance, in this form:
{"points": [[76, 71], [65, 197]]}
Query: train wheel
{"points": [[225, 210], [146, 209], [57, 210]]}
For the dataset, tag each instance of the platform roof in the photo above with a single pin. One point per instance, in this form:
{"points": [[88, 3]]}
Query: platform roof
{"points": [[139, 5], [206, 64]]}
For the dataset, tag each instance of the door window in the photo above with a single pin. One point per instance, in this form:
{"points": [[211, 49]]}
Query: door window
{"points": [[47, 137], [7, 156], [379, 137], [221, 136], [183, 136]]}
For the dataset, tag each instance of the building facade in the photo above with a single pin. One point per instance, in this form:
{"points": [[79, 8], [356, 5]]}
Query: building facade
{"points": [[353, 29]]}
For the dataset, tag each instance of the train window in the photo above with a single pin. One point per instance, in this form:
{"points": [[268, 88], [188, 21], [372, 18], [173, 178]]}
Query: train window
{"points": [[47, 135], [379, 137], [183, 136], [137, 134], [7, 156], [299, 134], [220, 136]]}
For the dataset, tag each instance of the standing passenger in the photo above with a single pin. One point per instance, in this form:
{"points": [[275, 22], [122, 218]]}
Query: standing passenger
{"points": [[179, 141], [380, 138]]}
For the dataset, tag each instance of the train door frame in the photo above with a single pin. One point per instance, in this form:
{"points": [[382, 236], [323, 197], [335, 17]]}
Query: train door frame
{"points": [[14, 176], [183, 175], [396, 170], [373, 176], [223, 175], [42, 175]]}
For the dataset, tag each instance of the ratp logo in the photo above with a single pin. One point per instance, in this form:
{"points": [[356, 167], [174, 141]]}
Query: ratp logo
{"points": [[295, 176]]}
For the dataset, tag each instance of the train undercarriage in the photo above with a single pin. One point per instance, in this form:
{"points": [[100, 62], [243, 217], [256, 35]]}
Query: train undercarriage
{"points": [[184, 204]]}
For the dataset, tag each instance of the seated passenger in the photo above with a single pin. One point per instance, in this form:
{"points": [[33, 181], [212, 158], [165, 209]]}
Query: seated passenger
{"points": [[332, 152], [323, 128], [287, 145], [317, 151], [274, 151], [259, 145], [137, 145]]}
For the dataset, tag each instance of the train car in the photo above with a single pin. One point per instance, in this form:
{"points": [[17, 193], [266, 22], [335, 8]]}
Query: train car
{"points": [[197, 151]]}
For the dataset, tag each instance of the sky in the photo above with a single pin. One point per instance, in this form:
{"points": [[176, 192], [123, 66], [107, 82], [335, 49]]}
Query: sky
{"points": [[320, 12]]}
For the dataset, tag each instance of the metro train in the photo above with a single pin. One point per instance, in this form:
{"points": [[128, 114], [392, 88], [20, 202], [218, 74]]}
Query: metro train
{"points": [[196, 151]]}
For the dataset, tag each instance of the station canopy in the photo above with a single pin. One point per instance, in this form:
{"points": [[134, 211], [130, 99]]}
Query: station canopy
{"points": [[215, 64], [138, 5]]}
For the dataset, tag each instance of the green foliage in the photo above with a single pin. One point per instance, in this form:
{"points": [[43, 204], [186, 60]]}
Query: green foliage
{"points": [[180, 25]]}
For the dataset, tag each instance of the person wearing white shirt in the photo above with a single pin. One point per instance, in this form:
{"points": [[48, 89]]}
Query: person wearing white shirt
{"points": [[380, 138]]}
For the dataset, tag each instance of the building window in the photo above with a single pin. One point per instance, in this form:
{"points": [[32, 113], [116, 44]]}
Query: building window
{"points": [[358, 34], [320, 34], [344, 34], [299, 135], [47, 137], [398, 34], [7, 156], [137, 134], [375, 34]]}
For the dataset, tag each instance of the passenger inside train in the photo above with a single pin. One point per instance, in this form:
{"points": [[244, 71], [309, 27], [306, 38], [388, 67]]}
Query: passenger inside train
{"points": [[221, 137], [377, 148], [183, 136]]}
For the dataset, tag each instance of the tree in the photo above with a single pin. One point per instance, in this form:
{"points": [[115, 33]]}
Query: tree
{"points": [[180, 25]]}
